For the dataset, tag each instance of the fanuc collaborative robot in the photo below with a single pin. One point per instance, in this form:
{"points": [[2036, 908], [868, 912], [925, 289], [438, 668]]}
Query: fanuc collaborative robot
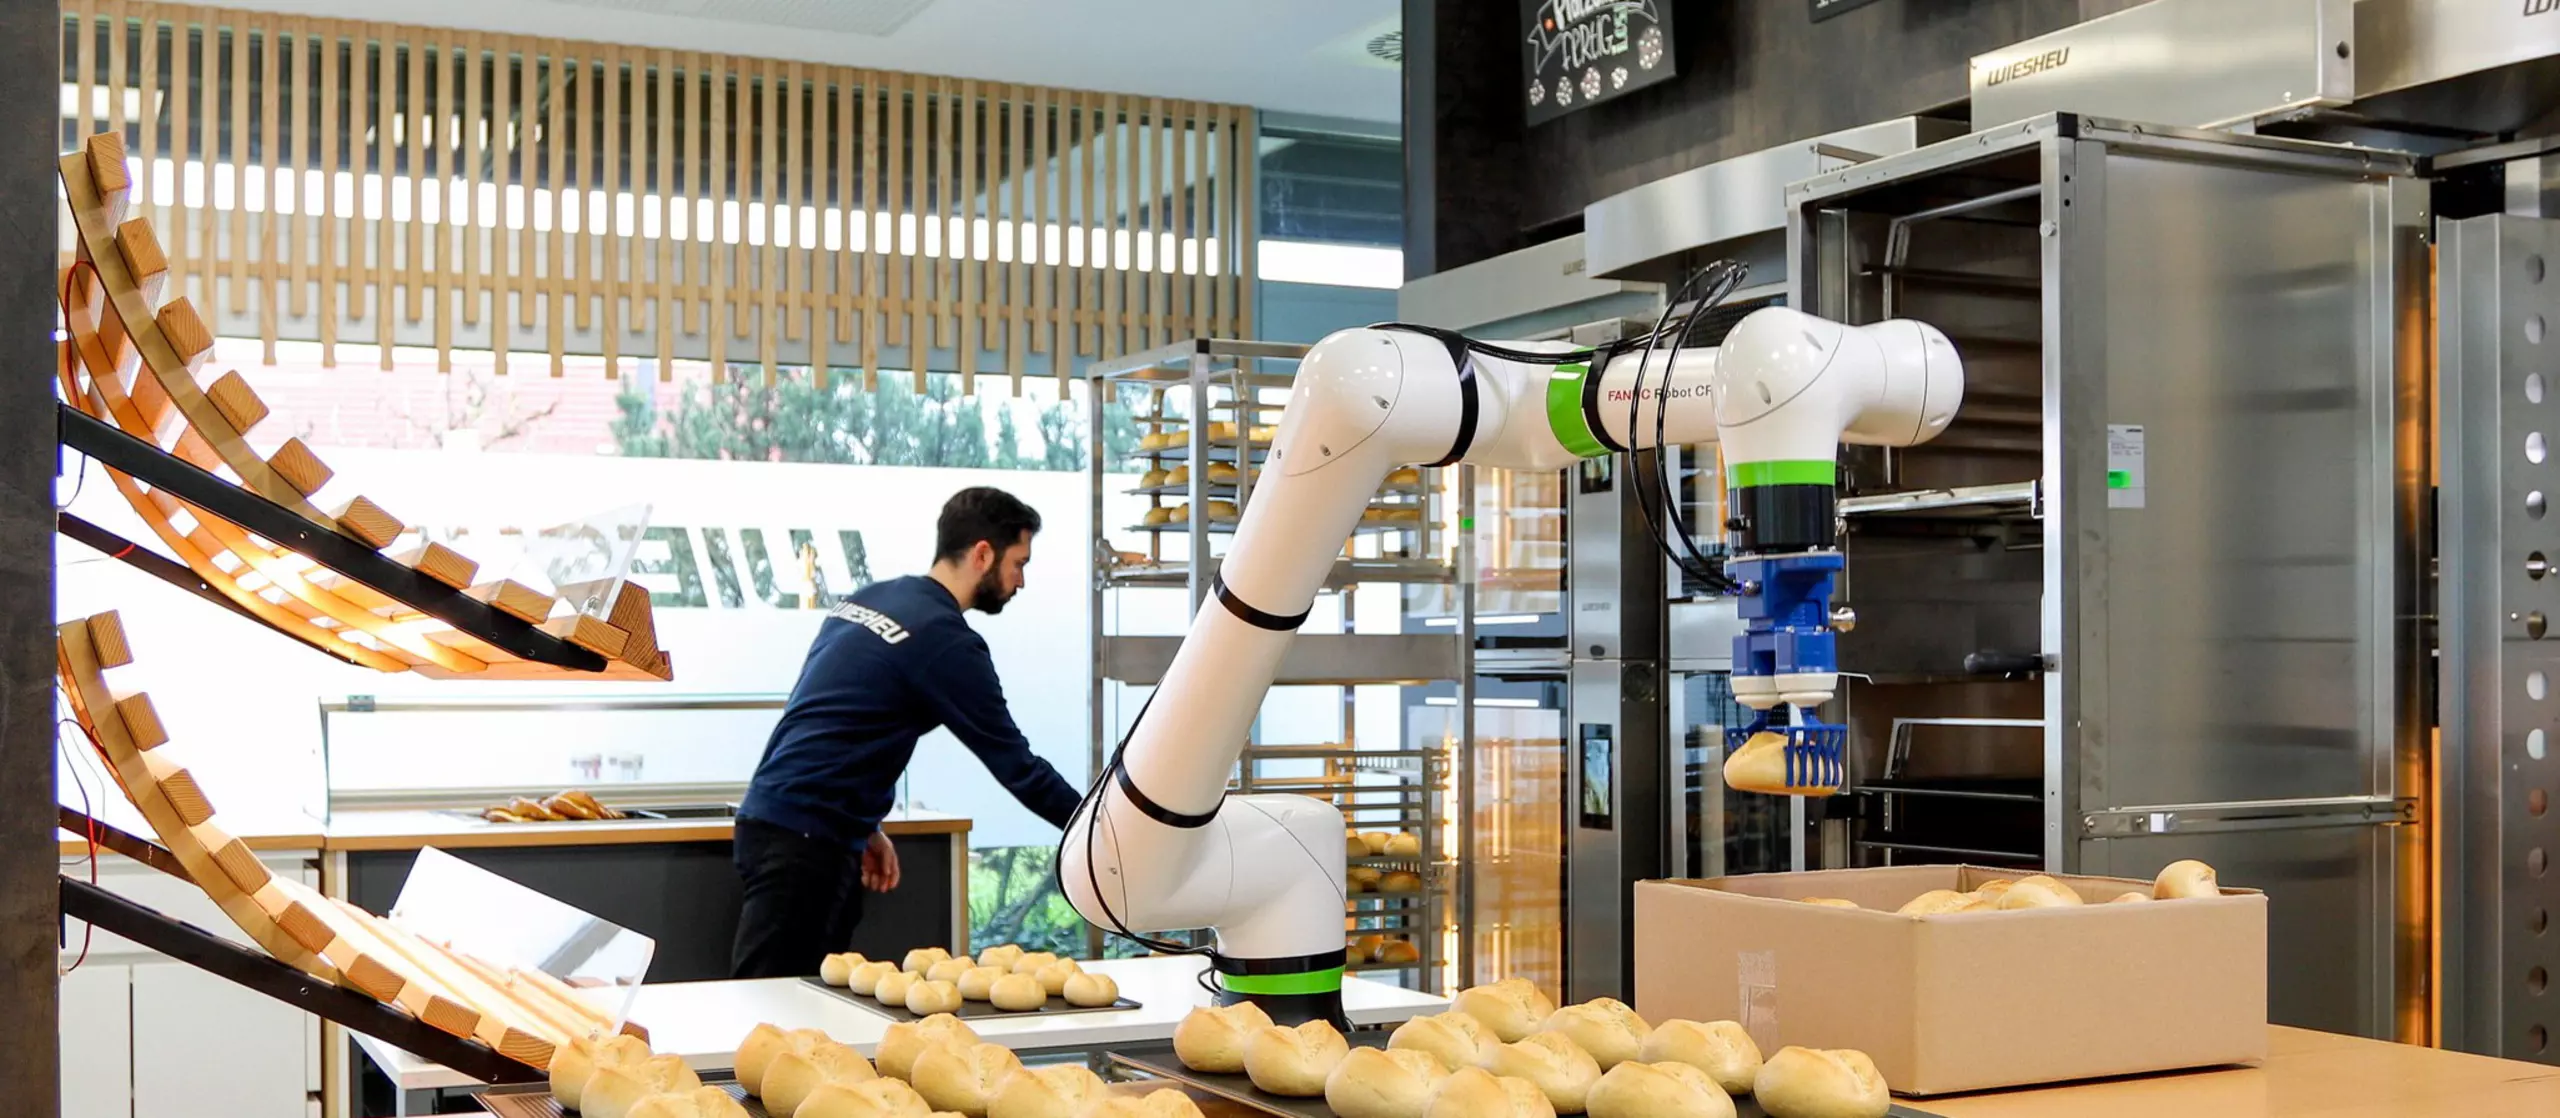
{"points": [[1159, 845]]}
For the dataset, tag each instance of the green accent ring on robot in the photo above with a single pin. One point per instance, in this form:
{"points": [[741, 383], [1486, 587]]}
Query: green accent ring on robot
{"points": [[1750, 475], [1565, 415], [1309, 982]]}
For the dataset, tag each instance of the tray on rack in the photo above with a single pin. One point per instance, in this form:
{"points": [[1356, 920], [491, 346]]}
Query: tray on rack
{"points": [[1159, 1061], [534, 1100], [968, 1011]]}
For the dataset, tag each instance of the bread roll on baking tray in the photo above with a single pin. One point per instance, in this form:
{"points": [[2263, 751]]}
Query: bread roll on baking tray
{"points": [[612, 1092], [701, 1102], [1031, 963], [573, 1064], [1053, 978], [1641, 1090], [978, 983], [790, 1078], [865, 979], [1017, 993], [1063, 1091], [875, 1098], [1477, 1093], [922, 959], [1604, 1027], [1294, 1062], [1556, 1064], [763, 1043], [963, 1079], [1166, 1103], [906, 1040], [1001, 957], [1719, 1048], [1454, 1038], [1212, 1038], [1383, 1083], [836, 970], [1511, 1009], [1090, 991], [1821, 1083]]}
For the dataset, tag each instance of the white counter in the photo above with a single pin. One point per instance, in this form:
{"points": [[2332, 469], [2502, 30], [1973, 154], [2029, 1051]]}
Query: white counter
{"points": [[704, 1021]]}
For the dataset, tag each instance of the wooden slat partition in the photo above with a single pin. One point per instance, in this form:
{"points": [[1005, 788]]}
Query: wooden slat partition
{"points": [[468, 190]]}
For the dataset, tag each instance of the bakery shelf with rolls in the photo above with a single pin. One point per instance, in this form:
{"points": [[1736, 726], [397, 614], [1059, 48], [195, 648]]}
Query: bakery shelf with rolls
{"points": [[1335, 723]]}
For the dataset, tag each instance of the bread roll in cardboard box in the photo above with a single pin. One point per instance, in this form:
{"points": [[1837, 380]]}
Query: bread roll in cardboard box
{"points": [[1963, 1002]]}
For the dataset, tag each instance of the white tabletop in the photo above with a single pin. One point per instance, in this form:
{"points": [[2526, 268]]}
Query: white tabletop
{"points": [[704, 1021]]}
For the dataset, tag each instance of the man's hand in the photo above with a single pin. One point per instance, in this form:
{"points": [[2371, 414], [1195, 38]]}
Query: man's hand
{"points": [[880, 864]]}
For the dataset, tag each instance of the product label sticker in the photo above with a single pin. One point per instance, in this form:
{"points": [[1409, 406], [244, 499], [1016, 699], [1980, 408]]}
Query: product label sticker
{"points": [[2124, 466], [1759, 1000]]}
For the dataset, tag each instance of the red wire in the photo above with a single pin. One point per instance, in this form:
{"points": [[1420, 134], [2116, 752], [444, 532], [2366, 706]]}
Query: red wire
{"points": [[90, 832]]}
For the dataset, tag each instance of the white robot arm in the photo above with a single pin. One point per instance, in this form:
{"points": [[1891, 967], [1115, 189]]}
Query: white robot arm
{"points": [[1159, 845]]}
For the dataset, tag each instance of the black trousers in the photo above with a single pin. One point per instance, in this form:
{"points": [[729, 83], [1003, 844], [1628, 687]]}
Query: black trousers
{"points": [[803, 898]]}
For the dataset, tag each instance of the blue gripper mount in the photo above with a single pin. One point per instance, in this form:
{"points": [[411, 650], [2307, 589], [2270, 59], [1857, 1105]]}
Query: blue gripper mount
{"points": [[1786, 615]]}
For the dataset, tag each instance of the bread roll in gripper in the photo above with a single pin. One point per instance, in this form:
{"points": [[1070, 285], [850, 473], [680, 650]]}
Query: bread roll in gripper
{"points": [[573, 1063], [1454, 1038], [1477, 1093], [1511, 1009], [1556, 1064], [964, 1079], [612, 1092], [791, 1076], [2186, 880], [1821, 1083], [1017, 993], [1604, 1027], [1761, 766], [1719, 1048], [906, 1040], [1294, 1062], [1383, 1083], [1211, 1038], [1640, 1090], [1063, 1091]]}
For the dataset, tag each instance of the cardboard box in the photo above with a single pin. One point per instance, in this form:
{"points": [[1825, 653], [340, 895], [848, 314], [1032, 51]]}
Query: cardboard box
{"points": [[1960, 1003]]}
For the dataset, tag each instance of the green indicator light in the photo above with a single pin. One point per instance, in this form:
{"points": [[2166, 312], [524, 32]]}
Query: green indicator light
{"points": [[2119, 479]]}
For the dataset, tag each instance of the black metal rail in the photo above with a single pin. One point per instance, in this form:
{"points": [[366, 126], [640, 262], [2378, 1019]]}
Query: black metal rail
{"points": [[255, 514], [211, 953], [175, 574]]}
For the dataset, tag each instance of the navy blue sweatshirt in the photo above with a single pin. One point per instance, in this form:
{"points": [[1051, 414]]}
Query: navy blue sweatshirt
{"points": [[886, 668]]}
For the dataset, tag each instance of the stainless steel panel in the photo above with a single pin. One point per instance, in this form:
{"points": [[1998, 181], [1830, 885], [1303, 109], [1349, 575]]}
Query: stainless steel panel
{"points": [[2497, 301], [1739, 197], [2401, 44], [1549, 283], [2242, 637], [1624, 702], [1702, 633], [2190, 63]]}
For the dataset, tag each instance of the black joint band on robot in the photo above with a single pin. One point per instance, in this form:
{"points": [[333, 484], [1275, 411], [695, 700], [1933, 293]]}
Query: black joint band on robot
{"points": [[1591, 395], [1159, 812], [1246, 613], [1295, 964], [1460, 356]]}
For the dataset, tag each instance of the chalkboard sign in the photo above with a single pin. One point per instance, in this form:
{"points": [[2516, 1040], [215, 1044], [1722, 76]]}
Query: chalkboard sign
{"points": [[1825, 9], [1582, 52]]}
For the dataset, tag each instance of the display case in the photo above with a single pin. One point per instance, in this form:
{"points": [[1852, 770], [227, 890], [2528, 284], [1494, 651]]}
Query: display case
{"points": [[1338, 722]]}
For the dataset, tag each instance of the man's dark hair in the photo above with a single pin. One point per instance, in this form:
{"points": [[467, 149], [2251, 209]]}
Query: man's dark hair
{"points": [[981, 513]]}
